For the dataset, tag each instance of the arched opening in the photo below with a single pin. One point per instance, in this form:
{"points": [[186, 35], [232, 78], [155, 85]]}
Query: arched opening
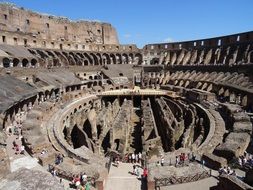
{"points": [[65, 132], [25, 63], [78, 138], [106, 142], [124, 59], [86, 63], [106, 59], [118, 59], [90, 62], [99, 130], [87, 128], [15, 62], [95, 59], [33, 62], [138, 59], [6, 62], [113, 59]]}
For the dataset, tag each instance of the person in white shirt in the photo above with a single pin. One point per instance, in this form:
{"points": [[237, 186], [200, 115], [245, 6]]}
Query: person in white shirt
{"points": [[133, 158]]}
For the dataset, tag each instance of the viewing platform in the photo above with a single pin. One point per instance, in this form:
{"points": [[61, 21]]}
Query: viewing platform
{"points": [[139, 92]]}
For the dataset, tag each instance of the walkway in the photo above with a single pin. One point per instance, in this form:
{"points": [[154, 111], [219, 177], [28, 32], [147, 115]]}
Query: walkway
{"points": [[120, 178], [141, 92]]}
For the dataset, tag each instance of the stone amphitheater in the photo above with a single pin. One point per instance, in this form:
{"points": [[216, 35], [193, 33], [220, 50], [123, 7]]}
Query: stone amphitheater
{"points": [[69, 88]]}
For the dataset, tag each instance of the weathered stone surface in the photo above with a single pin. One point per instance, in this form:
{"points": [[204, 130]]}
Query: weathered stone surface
{"points": [[213, 161], [228, 182], [4, 162], [25, 179], [235, 144]]}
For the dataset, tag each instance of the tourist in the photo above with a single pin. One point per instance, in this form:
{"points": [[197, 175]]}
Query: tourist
{"points": [[145, 173], [76, 181], [221, 171], [14, 144], [133, 158], [117, 161], [54, 173], [225, 170], [130, 158], [134, 170], [234, 173], [177, 160], [22, 149], [87, 186], [136, 158], [162, 161], [17, 149], [84, 178], [240, 161], [140, 156], [10, 130]]}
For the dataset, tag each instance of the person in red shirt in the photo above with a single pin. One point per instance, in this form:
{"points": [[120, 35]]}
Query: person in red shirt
{"points": [[145, 173]]}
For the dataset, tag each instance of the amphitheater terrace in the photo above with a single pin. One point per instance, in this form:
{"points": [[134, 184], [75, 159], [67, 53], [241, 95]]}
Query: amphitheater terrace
{"points": [[79, 110]]}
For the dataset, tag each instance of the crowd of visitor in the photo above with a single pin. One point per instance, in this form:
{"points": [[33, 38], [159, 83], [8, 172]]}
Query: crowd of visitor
{"points": [[227, 170]]}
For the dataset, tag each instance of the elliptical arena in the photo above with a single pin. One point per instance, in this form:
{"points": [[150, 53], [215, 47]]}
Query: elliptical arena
{"points": [[74, 100]]}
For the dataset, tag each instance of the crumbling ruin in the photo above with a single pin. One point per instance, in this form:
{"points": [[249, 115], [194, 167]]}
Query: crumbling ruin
{"points": [[91, 98]]}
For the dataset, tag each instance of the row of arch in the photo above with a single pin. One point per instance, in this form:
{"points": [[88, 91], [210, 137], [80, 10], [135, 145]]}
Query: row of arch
{"points": [[18, 62], [52, 58], [221, 55]]}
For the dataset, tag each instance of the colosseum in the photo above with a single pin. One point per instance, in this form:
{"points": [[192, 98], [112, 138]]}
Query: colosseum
{"points": [[78, 110]]}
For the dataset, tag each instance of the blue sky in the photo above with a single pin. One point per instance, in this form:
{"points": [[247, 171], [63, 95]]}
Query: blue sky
{"points": [[151, 21]]}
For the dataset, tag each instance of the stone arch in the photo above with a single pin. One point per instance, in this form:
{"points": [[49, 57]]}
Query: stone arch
{"points": [[34, 62], [6, 62], [78, 138], [106, 142], [87, 128], [106, 59], [154, 61], [100, 60], [131, 58], [86, 62], [118, 58], [15, 62], [72, 60], [86, 55], [73, 55], [124, 58], [113, 58], [138, 58], [51, 54], [42, 54], [62, 57], [25, 62], [96, 62], [99, 131]]}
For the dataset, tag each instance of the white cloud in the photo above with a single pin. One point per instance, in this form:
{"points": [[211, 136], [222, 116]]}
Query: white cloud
{"points": [[169, 39]]}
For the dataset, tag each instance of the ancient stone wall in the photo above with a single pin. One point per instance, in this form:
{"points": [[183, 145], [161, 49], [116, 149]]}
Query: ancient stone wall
{"points": [[24, 27]]}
